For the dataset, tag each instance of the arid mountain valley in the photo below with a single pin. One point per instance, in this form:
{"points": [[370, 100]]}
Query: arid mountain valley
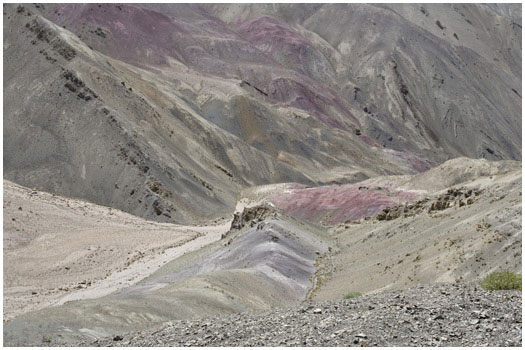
{"points": [[261, 174]]}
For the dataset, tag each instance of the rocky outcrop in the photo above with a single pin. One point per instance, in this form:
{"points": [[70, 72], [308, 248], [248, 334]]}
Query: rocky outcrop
{"points": [[45, 33], [455, 197], [402, 210], [251, 216]]}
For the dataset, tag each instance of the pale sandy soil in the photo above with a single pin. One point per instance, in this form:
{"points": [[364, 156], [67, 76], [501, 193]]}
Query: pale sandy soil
{"points": [[58, 249], [458, 244]]}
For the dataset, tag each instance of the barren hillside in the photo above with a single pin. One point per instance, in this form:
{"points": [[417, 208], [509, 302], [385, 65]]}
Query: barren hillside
{"points": [[225, 174], [183, 106]]}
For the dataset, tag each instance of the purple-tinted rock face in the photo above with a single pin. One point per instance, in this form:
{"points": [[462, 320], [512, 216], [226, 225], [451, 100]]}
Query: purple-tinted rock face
{"points": [[147, 38], [278, 40], [338, 203], [418, 164], [137, 35]]}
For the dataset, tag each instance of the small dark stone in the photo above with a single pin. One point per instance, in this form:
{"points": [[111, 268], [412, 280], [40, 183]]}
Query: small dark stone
{"points": [[70, 87]]}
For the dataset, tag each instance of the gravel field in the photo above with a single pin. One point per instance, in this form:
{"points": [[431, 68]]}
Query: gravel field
{"points": [[434, 315]]}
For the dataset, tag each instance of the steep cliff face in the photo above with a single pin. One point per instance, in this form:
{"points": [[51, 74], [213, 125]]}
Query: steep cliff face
{"points": [[168, 111]]}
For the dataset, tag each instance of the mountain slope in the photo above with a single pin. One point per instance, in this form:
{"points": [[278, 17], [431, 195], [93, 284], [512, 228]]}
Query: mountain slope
{"points": [[186, 105], [449, 72]]}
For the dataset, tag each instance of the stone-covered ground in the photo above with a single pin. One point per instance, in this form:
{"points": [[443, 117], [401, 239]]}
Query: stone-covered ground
{"points": [[434, 315]]}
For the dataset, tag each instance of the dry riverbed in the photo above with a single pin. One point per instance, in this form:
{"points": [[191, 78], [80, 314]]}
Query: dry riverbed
{"points": [[58, 249]]}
